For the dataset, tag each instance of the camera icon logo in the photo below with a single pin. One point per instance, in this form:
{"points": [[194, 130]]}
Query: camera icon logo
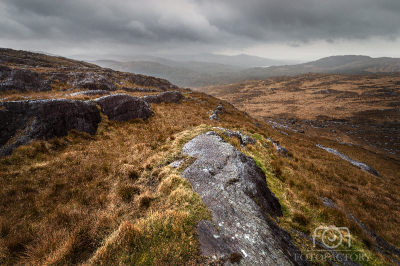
{"points": [[331, 236]]}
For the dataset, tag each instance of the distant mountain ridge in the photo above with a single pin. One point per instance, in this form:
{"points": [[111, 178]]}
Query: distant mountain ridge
{"points": [[199, 74]]}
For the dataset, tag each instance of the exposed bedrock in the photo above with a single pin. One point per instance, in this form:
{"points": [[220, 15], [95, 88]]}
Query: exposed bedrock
{"points": [[23, 121], [122, 107], [235, 191], [361, 165], [21, 80], [167, 96]]}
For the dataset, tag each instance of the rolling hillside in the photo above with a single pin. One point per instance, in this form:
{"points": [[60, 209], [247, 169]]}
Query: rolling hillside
{"points": [[107, 167]]}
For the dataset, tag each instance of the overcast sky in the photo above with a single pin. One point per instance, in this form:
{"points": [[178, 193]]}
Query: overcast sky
{"points": [[278, 29]]}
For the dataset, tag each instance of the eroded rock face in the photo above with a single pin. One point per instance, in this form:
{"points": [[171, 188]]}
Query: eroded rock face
{"points": [[167, 96], [22, 80], [122, 107], [235, 191], [44, 119]]}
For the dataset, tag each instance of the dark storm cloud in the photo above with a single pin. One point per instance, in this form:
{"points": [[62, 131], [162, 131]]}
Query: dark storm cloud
{"points": [[156, 23]]}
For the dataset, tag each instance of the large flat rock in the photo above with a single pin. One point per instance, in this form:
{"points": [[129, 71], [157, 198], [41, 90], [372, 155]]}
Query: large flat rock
{"points": [[235, 191]]}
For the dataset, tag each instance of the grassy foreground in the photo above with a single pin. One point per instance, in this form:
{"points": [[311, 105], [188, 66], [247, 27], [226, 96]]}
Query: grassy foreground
{"points": [[113, 199]]}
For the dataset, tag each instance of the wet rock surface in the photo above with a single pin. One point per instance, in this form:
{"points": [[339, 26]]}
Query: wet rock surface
{"points": [[363, 166], [235, 191], [122, 107], [23, 121], [167, 96], [21, 80]]}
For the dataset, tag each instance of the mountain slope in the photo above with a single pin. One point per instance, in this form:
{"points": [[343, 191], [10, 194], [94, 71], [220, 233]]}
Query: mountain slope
{"points": [[125, 194]]}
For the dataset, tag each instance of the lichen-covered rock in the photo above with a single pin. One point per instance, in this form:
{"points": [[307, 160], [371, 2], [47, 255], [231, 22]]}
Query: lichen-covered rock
{"points": [[235, 191], [23, 121], [167, 96], [122, 107], [21, 80]]}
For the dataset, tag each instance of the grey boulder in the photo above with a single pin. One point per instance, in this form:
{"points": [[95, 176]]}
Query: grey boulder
{"points": [[121, 107]]}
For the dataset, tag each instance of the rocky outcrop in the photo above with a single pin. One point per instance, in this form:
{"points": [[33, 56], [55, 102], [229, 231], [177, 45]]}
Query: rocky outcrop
{"points": [[167, 96], [279, 148], [122, 107], [244, 139], [363, 166], [89, 93], [235, 191], [215, 115], [21, 80], [23, 121], [94, 81], [140, 89]]}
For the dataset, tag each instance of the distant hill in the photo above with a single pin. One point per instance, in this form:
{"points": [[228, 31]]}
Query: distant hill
{"points": [[244, 61], [346, 64], [221, 69]]}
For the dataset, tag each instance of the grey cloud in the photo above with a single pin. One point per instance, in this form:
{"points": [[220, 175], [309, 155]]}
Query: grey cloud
{"points": [[159, 24]]}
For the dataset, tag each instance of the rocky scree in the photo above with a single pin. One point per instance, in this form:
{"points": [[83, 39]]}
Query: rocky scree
{"points": [[235, 191]]}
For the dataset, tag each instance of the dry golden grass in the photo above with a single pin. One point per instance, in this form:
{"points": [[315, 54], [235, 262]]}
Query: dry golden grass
{"points": [[113, 199], [67, 200]]}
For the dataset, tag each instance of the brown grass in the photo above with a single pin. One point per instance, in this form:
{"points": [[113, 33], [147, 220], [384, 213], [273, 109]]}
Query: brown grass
{"points": [[112, 198]]}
